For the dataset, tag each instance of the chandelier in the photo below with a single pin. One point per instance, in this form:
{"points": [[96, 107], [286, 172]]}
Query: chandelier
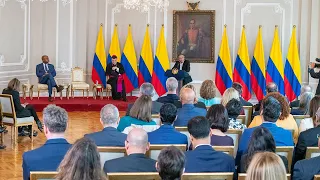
{"points": [[144, 5]]}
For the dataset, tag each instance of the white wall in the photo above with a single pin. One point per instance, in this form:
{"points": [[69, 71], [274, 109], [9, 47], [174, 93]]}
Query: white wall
{"points": [[67, 33]]}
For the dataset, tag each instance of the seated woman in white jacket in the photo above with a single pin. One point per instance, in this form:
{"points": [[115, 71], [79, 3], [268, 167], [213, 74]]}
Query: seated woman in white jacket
{"points": [[308, 123]]}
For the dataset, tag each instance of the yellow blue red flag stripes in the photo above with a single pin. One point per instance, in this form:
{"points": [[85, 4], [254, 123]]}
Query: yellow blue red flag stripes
{"points": [[161, 64], [146, 60], [223, 78], [292, 70], [129, 62], [275, 70], [242, 70], [114, 46], [99, 61], [258, 70]]}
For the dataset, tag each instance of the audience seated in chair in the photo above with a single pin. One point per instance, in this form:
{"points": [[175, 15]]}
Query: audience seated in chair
{"points": [[308, 123], [208, 93], [82, 161], [167, 134], [261, 141], [285, 120], [109, 136], [48, 156], [270, 114], [188, 109], [203, 158], [270, 87], [304, 88], [140, 115], [136, 146], [170, 164], [266, 166], [308, 138], [148, 90], [172, 85], [307, 168], [304, 104], [237, 86], [219, 123], [234, 108], [196, 103]]}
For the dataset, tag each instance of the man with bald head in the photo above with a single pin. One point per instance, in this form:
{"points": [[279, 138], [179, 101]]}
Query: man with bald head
{"points": [[188, 110], [136, 161]]}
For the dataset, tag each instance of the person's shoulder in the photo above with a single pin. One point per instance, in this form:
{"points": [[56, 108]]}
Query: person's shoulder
{"points": [[225, 156], [157, 103], [309, 162], [308, 132]]}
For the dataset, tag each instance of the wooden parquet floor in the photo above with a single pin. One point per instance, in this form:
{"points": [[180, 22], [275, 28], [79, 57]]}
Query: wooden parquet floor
{"points": [[80, 123]]}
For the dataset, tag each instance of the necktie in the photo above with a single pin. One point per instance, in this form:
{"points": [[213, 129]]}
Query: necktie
{"points": [[47, 68]]}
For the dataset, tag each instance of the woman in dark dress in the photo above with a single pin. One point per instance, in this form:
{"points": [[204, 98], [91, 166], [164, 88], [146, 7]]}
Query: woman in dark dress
{"points": [[22, 110], [261, 141], [219, 120]]}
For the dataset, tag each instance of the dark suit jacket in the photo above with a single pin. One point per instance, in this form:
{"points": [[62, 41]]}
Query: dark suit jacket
{"points": [[131, 163], [205, 159], [187, 112], [155, 108], [20, 110], [306, 169], [167, 134], [185, 65], [178, 104], [295, 103], [315, 75], [109, 136], [40, 70], [169, 98], [306, 139], [110, 72], [245, 103], [244, 160], [45, 158]]}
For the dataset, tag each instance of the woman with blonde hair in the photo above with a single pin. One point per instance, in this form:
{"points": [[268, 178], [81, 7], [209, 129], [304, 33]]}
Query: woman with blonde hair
{"points": [[208, 93], [266, 166], [229, 94], [82, 161]]}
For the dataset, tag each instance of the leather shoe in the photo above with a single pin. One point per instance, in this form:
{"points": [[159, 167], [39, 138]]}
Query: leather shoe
{"points": [[35, 134], [2, 146], [50, 99], [60, 88], [39, 126]]}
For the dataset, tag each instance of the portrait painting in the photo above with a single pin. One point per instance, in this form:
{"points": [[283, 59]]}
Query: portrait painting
{"points": [[193, 35]]}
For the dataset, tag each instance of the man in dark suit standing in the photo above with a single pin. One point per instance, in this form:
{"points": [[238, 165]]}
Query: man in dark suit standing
{"points": [[148, 90], [46, 73], [136, 147], [237, 86], [171, 97], [109, 136], [184, 65], [115, 71], [203, 158], [315, 75], [48, 156], [167, 134], [307, 168]]}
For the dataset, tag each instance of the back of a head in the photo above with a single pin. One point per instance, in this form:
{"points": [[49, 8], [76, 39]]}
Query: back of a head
{"points": [[82, 161], [304, 103], [147, 89], [168, 113], [172, 84], [217, 116], [266, 166], [109, 114], [55, 118], [271, 87], [141, 108], [305, 88], [285, 107], [237, 86], [207, 89], [14, 84], [170, 164], [229, 94], [313, 106], [271, 109], [234, 108], [187, 96], [199, 127], [138, 139]]}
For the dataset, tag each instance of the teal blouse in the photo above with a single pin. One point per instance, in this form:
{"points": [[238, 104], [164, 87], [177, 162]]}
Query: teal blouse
{"points": [[126, 121], [209, 102]]}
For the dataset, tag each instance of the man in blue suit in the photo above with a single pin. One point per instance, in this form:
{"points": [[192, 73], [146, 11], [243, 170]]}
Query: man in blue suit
{"points": [[171, 97], [270, 114], [188, 109], [46, 73], [48, 156], [203, 158], [167, 134], [109, 136]]}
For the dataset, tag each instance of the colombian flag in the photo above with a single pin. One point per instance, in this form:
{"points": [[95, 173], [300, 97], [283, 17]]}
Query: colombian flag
{"points": [[292, 70], [275, 71], [224, 70], [242, 70], [161, 64], [258, 70], [99, 61], [129, 62], [114, 46], [146, 60]]}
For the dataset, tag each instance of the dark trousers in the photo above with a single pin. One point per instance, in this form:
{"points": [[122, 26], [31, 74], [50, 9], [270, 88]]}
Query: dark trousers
{"points": [[49, 80], [115, 94], [33, 112]]}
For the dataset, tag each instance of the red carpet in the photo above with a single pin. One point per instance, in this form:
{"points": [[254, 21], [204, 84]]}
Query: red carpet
{"points": [[79, 103]]}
